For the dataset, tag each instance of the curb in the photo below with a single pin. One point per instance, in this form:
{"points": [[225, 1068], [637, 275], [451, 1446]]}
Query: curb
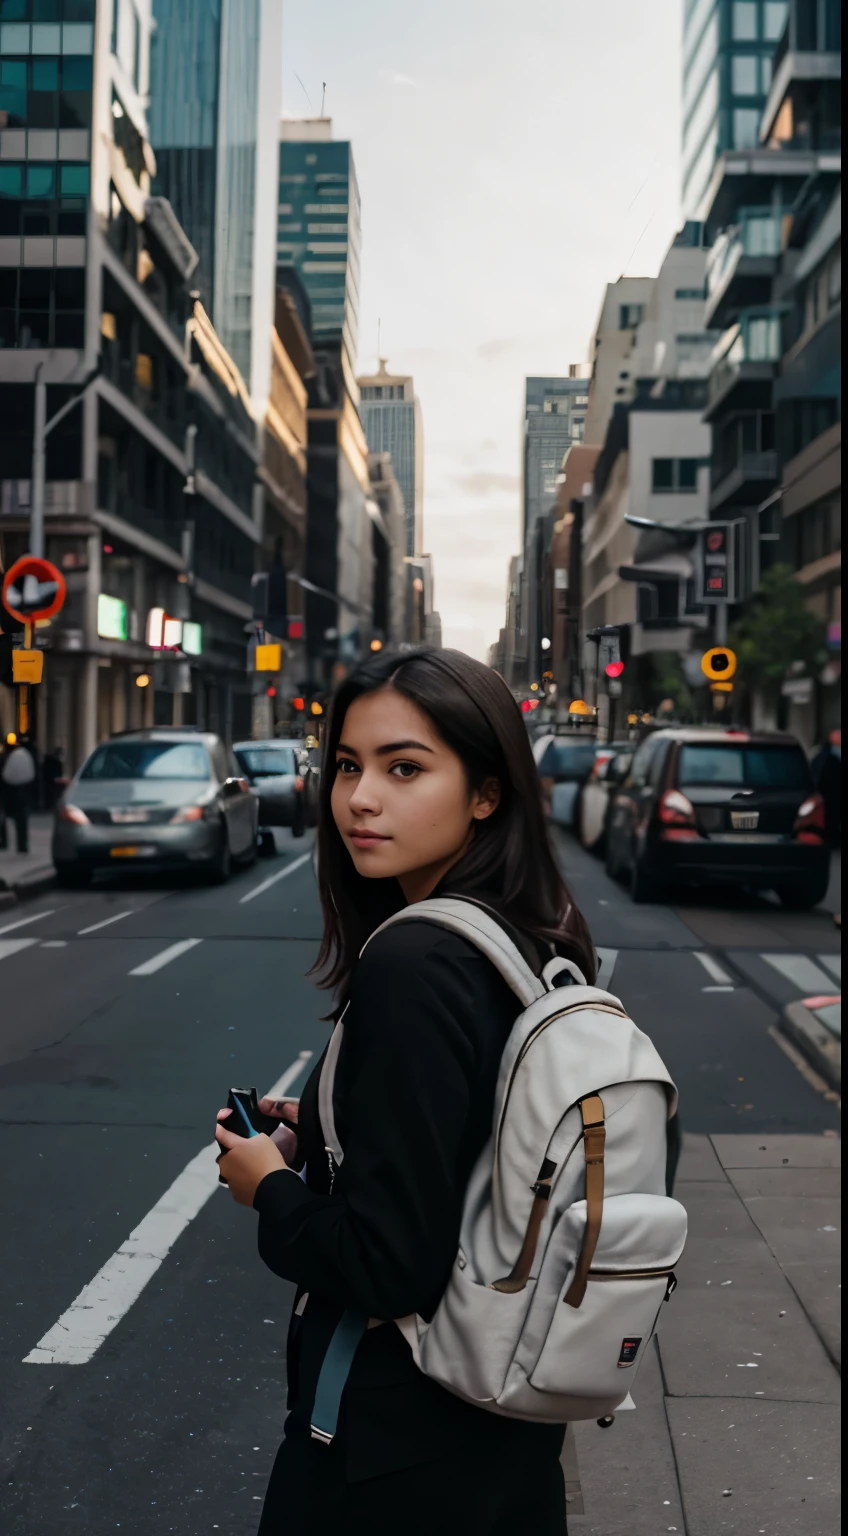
{"points": [[32, 885], [821, 1048]]}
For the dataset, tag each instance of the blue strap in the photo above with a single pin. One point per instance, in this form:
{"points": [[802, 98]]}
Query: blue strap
{"points": [[334, 1373]]}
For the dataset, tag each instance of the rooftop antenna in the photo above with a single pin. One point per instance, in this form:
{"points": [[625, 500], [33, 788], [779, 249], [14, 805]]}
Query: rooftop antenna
{"points": [[323, 94], [303, 88]]}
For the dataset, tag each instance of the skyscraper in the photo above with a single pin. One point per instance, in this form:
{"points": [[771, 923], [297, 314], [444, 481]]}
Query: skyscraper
{"points": [[318, 231], [727, 66], [554, 418], [391, 415], [214, 104]]}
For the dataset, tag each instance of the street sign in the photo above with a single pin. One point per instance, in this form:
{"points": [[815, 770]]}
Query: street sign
{"points": [[27, 666], [33, 589], [269, 658], [719, 664]]}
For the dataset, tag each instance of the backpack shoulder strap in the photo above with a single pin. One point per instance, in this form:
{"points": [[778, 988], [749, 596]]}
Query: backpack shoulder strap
{"points": [[473, 923]]}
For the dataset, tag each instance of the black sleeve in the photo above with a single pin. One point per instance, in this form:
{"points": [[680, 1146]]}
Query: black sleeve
{"points": [[385, 1240]]}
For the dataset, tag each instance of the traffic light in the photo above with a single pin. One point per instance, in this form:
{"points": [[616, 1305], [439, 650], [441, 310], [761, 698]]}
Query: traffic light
{"points": [[717, 564], [719, 665], [614, 668]]}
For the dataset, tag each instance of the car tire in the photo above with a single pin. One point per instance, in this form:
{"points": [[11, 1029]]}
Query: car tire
{"points": [[611, 864], [803, 895], [222, 864], [267, 844], [72, 877], [643, 885]]}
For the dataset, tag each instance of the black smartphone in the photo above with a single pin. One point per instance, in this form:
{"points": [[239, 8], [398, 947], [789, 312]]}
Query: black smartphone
{"points": [[245, 1117]]}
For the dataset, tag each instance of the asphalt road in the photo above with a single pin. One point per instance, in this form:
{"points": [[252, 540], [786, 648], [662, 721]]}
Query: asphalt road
{"points": [[156, 1403]]}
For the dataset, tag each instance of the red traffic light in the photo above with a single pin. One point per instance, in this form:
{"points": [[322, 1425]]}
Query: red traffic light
{"points": [[614, 668], [295, 629], [526, 706], [271, 693]]}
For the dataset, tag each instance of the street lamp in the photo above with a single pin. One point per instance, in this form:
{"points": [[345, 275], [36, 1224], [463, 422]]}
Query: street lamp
{"points": [[40, 431]]}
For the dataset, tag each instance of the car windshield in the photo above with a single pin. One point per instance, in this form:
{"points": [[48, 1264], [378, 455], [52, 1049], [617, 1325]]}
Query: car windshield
{"points": [[266, 762], [187, 760], [567, 759], [745, 766]]}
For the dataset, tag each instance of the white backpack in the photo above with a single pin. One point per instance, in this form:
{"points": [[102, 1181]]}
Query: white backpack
{"points": [[568, 1240]]}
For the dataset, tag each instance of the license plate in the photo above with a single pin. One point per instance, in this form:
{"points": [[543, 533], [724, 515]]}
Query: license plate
{"points": [[744, 821], [126, 818], [128, 853]]}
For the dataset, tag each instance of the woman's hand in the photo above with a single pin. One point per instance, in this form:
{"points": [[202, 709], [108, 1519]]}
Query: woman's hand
{"points": [[283, 1137], [245, 1160]]}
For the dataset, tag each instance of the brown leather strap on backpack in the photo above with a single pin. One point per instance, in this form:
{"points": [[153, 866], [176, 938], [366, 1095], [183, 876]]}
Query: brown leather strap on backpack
{"points": [[520, 1272], [594, 1137]]}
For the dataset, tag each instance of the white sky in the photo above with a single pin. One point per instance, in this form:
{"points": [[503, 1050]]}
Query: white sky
{"points": [[513, 156]]}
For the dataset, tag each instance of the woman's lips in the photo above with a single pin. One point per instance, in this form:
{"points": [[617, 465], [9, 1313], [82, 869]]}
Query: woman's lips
{"points": [[367, 839]]}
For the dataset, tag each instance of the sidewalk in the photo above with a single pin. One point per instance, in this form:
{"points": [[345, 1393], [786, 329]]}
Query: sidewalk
{"points": [[736, 1430], [25, 873]]}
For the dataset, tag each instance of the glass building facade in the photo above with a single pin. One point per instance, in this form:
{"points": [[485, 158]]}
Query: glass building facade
{"points": [[391, 417], [203, 128], [319, 231], [728, 47], [554, 418]]}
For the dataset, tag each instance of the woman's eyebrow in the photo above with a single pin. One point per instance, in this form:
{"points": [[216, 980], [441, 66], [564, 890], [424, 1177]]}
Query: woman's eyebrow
{"points": [[401, 746], [341, 747]]}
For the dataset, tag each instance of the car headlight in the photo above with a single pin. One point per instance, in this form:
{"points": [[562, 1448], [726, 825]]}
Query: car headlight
{"points": [[74, 814]]}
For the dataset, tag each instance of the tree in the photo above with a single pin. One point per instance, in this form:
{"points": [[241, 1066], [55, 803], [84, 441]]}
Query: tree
{"points": [[668, 682], [777, 632]]}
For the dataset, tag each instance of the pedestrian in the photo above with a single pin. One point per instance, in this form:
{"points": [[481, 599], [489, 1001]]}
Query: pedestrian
{"points": [[17, 777], [51, 771], [429, 787], [827, 777]]}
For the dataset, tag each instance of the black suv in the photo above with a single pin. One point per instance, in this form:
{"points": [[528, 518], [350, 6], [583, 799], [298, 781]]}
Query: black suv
{"points": [[705, 806]]}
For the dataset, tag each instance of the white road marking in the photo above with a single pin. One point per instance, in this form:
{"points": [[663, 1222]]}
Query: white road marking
{"points": [[53, 944], [833, 963], [106, 921], [24, 922], [289, 1076], [164, 957], [272, 879], [808, 977], [101, 1304], [607, 958], [713, 969], [12, 946]]}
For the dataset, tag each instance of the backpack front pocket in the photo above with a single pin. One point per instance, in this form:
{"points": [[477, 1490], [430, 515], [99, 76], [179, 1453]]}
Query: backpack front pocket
{"points": [[587, 1349]]}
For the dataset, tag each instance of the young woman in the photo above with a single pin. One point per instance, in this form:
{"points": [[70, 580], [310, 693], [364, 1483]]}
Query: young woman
{"points": [[429, 787]]}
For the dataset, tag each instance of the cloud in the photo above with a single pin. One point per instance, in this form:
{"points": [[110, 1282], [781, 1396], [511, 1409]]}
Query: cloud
{"points": [[396, 77], [489, 350], [487, 482]]}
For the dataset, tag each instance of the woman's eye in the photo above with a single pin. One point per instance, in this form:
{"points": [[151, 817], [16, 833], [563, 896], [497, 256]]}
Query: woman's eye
{"points": [[346, 765], [405, 770]]}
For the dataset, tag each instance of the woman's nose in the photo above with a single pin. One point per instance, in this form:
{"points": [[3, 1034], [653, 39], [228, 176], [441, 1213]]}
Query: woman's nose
{"points": [[365, 796]]}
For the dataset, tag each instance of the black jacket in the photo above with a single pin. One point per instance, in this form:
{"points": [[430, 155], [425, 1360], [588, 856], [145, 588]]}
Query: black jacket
{"points": [[414, 1095]]}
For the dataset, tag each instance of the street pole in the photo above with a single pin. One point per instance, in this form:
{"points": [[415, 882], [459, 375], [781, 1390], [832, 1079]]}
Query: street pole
{"points": [[721, 624], [39, 454]]}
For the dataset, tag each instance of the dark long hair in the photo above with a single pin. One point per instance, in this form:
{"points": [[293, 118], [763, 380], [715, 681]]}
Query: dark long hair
{"points": [[509, 863]]}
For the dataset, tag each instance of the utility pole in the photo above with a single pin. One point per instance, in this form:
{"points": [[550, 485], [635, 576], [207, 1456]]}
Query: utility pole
{"points": [[41, 431]]}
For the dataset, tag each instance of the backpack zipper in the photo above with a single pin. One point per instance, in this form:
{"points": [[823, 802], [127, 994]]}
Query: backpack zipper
{"points": [[619, 1013], [630, 1274], [332, 1165]]}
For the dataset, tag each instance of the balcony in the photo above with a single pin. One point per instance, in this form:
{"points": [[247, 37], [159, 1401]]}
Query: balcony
{"points": [[745, 360], [742, 264], [747, 481]]}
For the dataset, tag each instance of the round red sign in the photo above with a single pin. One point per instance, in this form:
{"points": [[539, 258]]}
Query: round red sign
{"points": [[33, 589]]}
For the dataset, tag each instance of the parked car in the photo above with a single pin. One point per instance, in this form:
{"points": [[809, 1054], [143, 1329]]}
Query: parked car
{"points": [[273, 771], [564, 764], [610, 769], [701, 806], [161, 798]]}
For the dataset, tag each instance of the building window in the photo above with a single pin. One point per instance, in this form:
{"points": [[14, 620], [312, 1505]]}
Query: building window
{"points": [[744, 21], [690, 293], [745, 74], [629, 316], [674, 475], [774, 19], [746, 128]]}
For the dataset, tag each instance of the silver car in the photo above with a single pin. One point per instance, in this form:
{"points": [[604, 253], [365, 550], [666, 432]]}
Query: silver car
{"points": [[274, 771], [161, 798]]}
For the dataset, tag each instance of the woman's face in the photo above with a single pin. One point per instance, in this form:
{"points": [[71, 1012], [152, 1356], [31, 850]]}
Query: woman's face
{"points": [[400, 796]]}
